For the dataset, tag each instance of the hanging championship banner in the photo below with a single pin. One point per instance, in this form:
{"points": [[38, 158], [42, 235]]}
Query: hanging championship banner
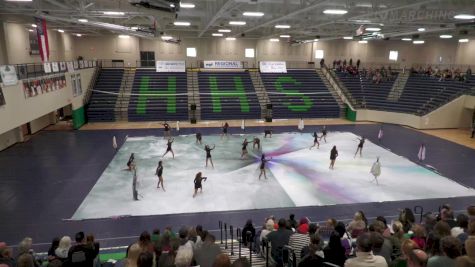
{"points": [[62, 66], [94, 63], [47, 67], [273, 66], [221, 64], [55, 66], [170, 66], [81, 64], [70, 66], [8, 74], [76, 64]]}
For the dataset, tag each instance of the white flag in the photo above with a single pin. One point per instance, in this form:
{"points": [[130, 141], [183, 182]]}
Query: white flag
{"points": [[422, 153], [242, 125], [114, 142], [380, 134], [301, 125], [177, 125]]}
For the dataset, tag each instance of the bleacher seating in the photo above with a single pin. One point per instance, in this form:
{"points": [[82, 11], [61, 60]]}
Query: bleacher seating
{"points": [[101, 105], [227, 95], [145, 107], [299, 94]]}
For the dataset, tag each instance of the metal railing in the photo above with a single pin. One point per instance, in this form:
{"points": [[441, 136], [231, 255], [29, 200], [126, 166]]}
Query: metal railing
{"points": [[36, 70]]}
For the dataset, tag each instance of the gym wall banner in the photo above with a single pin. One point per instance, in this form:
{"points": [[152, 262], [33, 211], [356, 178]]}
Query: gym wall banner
{"points": [[39, 86], [170, 66], [221, 64], [55, 66], [273, 66], [2, 98], [8, 74], [76, 84], [47, 67]]}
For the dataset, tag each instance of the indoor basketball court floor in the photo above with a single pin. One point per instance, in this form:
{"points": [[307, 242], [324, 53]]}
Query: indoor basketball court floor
{"points": [[53, 184]]}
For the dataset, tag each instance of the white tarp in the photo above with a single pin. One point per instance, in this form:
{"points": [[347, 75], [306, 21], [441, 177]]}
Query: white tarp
{"points": [[170, 66], [273, 66], [221, 64]]}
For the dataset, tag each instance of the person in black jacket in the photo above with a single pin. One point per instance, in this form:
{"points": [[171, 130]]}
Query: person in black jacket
{"points": [[249, 227], [334, 251], [82, 254]]}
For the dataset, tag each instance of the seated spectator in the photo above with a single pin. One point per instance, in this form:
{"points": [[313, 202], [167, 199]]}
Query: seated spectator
{"points": [[451, 249], [292, 222], [406, 217], [131, 258], [63, 248], [315, 256], [345, 238], [406, 247], [358, 225], [222, 260], [441, 229], [146, 259], [447, 215], [249, 227], [26, 255], [381, 246], [52, 248], [208, 251], [364, 254], [464, 261], [278, 239], [417, 258], [167, 257], [471, 213], [326, 229], [82, 255], [387, 231], [299, 240], [184, 257], [334, 252], [303, 226], [185, 250], [6, 255], [397, 238], [419, 235], [145, 242]]}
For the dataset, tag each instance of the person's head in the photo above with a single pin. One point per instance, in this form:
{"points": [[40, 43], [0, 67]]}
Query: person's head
{"points": [[340, 228], [377, 226], [464, 261], [363, 242], [407, 216], [79, 237], [407, 246], [25, 260], [334, 148], [54, 243], [210, 238], [462, 221], [334, 242], [248, 223], [291, 216], [377, 240], [184, 256], [183, 233], [358, 216], [90, 238], [442, 229], [303, 220], [450, 247], [144, 238], [198, 175], [282, 223], [64, 242], [222, 260], [312, 228], [206, 147], [145, 259], [397, 228], [446, 214], [417, 258], [241, 262], [160, 163], [331, 222], [471, 210], [133, 255], [381, 218], [471, 228], [270, 225], [418, 231]]}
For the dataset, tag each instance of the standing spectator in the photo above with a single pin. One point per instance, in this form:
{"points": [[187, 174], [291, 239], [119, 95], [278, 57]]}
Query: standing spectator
{"points": [[249, 227], [26, 255], [345, 238], [146, 260], [278, 239], [292, 222], [303, 226], [397, 238], [334, 252], [461, 230], [451, 249], [222, 260], [63, 248], [268, 227], [406, 217], [52, 249], [357, 225], [364, 254], [417, 258], [441, 229], [299, 240], [82, 255], [145, 242], [131, 258], [205, 255], [314, 257], [419, 235], [6, 255]]}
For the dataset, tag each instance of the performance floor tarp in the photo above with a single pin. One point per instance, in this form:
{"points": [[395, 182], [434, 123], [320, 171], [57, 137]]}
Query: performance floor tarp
{"points": [[297, 176]]}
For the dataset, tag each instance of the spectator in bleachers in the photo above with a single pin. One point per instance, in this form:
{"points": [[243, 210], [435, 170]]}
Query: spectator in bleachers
{"points": [[441, 230], [145, 259], [406, 247], [419, 235], [184, 256], [417, 258], [461, 230], [278, 239], [314, 257], [249, 227], [364, 254], [52, 249], [222, 260], [268, 227], [82, 255], [464, 261], [397, 238], [387, 231], [303, 226], [450, 248], [292, 222], [334, 252], [345, 238], [358, 224], [63, 248], [241, 262], [299, 240], [6, 255], [327, 228], [26, 255], [471, 209], [205, 255], [145, 242], [381, 246], [186, 245], [131, 258], [447, 215], [167, 257], [406, 217]]}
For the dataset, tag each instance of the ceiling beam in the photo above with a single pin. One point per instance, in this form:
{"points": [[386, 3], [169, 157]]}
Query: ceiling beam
{"points": [[216, 16]]}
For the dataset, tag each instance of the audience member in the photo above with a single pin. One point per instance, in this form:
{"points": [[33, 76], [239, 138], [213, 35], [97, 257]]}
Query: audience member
{"points": [[241, 262], [450, 248], [417, 258], [6, 255], [364, 254], [82, 255], [303, 226], [26, 255], [145, 259], [299, 240], [248, 232], [52, 249], [132, 257], [63, 248], [358, 225], [334, 252], [315, 256], [292, 222], [406, 217], [278, 239], [345, 238], [205, 255], [222, 260]]}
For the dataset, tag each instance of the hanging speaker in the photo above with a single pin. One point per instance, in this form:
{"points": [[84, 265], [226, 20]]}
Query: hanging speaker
{"points": [[193, 107], [269, 106], [193, 120], [268, 119]]}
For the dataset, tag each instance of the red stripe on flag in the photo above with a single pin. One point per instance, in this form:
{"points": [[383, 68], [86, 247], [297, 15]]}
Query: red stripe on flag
{"points": [[45, 33]]}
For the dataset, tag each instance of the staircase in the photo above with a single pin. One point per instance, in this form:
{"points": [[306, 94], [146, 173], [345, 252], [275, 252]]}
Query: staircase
{"points": [[398, 87], [233, 246], [122, 104], [333, 91], [193, 93], [260, 92]]}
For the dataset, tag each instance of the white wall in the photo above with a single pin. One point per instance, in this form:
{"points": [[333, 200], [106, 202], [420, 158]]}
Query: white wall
{"points": [[10, 138], [18, 110]]}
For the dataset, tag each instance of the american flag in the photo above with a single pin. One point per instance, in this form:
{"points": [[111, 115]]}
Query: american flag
{"points": [[42, 39]]}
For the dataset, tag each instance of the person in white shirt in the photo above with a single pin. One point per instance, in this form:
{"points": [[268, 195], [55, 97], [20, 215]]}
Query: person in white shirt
{"points": [[364, 255]]}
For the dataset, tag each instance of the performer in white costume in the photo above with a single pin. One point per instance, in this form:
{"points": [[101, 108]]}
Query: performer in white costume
{"points": [[376, 170]]}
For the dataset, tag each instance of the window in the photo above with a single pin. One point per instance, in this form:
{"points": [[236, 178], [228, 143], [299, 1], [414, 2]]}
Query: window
{"points": [[393, 55], [191, 52], [318, 54], [249, 52]]}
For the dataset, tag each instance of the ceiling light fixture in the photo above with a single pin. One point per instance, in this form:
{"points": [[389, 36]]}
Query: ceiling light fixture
{"points": [[83, 20], [239, 23], [230, 39], [315, 40], [33, 25], [217, 34], [134, 28], [123, 36], [187, 5], [285, 36], [114, 13], [463, 41], [18, 0], [274, 40], [282, 26], [166, 37], [30, 30], [59, 30], [335, 11], [421, 29], [78, 34], [348, 38], [373, 29], [363, 42], [224, 30], [181, 23], [445, 36], [418, 42], [464, 16], [253, 14], [406, 39]]}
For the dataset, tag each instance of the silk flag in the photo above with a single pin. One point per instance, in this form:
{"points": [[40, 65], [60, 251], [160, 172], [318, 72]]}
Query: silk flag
{"points": [[42, 35]]}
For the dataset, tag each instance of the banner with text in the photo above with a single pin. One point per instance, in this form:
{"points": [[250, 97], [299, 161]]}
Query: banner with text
{"points": [[8, 74], [170, 66], [273, 66], [220, 64]]}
